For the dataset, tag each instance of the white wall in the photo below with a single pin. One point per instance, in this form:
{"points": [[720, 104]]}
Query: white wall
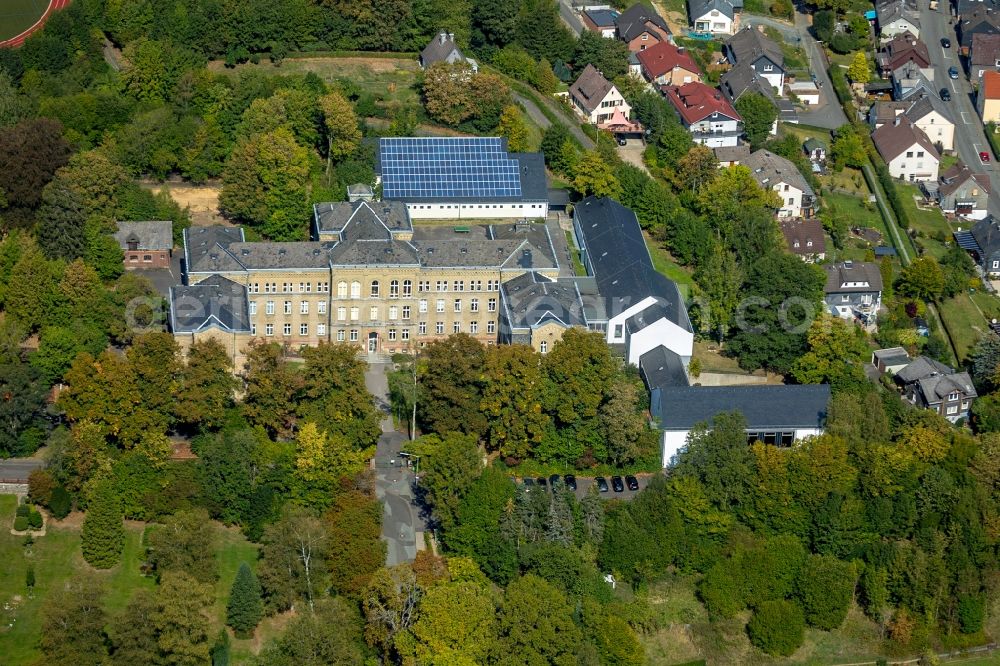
{"points": [[619, 320], [716, 23], [793, 209], [938, 129], [672, 443], [898, 27], [474, 211], [660, 333], [904, 167], [614, 100]]}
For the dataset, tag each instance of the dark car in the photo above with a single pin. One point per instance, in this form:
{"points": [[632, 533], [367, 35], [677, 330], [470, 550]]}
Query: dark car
{"points": [[953, 72], [528, 484], [945, 95], [570, 481], [945, 43], [553, 480], [632, 482], [617, 484], [602, 484], [542, 483]]}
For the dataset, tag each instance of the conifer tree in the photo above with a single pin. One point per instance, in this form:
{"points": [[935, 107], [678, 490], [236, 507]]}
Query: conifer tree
{"points": [[103, 536], [245, 607]]}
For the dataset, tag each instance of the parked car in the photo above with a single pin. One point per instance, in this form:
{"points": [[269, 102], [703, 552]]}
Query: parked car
{"points": [[542, 483], [953, 72], [528, 484], [602, 484], [632, 482], [984, 157], [945, 43], [570, 482], [622, 141], [945, 95], [617, 484], [553, 480]]}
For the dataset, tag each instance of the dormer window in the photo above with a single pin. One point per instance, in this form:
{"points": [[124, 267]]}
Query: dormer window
{"points": [[768, 67], [953, 396], [809, 243], [796, 244]]}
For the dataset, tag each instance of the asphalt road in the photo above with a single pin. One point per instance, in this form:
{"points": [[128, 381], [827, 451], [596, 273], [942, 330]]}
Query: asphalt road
{"points": [[16, 470], [970, 138]]}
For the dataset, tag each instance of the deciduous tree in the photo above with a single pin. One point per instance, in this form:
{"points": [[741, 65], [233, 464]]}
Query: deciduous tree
{"points": [[513, 127], [331, 634], [103, 535], [759, 114], [341, 123], [512, 400], [185, 543], [132, 636], [206, 386], [536, 623], [269, 386], [451, 387], [179, 620], [449, 464], [354, 547], [72, 624], [292, 559], [592, 175]]}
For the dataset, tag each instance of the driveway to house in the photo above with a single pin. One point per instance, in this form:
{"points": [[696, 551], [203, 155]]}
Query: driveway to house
{"points": [[402, 525], [970, 137], [828, 113], [632, 152]]}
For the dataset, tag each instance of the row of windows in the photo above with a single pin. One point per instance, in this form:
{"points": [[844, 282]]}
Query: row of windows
{"points": [[303, 307], [375, 287], [470, 206], [439, 327], [287, 329], [288, 287], [374, 311]]}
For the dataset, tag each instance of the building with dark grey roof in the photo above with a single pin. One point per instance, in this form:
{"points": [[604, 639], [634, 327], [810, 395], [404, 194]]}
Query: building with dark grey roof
{"points": [[214, 303], [982, 241], [146, 244], [751, 47], [778, 415], [853, 289], [536, 310], [776, 173], [329, 219], [444, 49], [928, 384]]}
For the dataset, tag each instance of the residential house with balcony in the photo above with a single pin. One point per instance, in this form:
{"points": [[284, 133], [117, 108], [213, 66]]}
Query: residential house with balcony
{"points": [[925, 111], [715, 17], [907, 151], [664, 64], [900, 50], [963, 192], [909, 80], [928, 384], [773, 172], [896, 17], [641, 28], [706, 114], [853, 290], [595, 98], [752, 47]]}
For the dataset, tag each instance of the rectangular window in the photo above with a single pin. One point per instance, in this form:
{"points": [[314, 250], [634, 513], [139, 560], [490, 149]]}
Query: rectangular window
{"points": [[406, 334], [439, 305], [255, 288], [287, 329], [304, 307], [321, 307], [302, 287], [458, 305], [323, 287], [493, 285], [340, 335], [422, 328], [373, 313], [288, 307], [303, 329], [439, 327], [422, 306], [407, 288], [341, 314], [424, 285], [393, 313], [269, 329], [953, 409], [392, 334], [341, 290], [321, 330], [286, 287], [909, 153], [491, 305], [458, 285], [619, 330], [491, 326], [473, 327], [253, 307], [456, 327], [476, 285], [354, 335], [474, 305], [406, 312], [394, 289], [269, 307], [355, 314], [442, 285]]}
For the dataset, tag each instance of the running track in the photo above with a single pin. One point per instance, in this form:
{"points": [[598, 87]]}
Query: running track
{"points": [[54, 5]]}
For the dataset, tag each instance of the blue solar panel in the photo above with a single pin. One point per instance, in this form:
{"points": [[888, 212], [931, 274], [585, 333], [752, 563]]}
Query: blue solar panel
{"points": [[448, 168]]}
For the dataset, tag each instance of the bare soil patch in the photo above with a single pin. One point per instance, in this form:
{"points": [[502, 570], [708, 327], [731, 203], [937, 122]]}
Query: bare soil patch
{"points": [[202, 201]]}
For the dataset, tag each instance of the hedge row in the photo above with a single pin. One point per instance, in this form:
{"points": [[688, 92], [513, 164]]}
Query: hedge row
{"points": [[843, 91], [888, 184]]}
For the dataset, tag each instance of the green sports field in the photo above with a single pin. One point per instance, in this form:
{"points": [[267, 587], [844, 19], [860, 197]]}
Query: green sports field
{"points": [[16, 16]]}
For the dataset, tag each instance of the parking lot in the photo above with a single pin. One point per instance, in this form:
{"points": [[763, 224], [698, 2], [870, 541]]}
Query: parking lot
{"points": [[583, 484]]}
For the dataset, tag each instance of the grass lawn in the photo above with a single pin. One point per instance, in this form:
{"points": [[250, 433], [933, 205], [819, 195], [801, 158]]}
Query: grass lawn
{"points": [[664, 263], [391, 79], [578, 268], [848, 179], [16, 16], [965, 321], [804, 132], [712, 359], [56, 557], [929, 222]]}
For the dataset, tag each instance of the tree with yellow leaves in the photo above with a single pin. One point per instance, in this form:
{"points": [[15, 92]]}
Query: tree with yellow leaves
{"points": [[321, 460]]}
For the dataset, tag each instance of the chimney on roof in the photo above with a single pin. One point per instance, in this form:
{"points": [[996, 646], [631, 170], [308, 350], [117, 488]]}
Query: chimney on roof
{"points": [[451, 36], [681, 49], [443, 37]]}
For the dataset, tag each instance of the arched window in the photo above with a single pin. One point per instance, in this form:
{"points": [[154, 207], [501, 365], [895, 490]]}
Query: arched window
{"points": [[407, 288], [355, 289], [341, 290], [374, 290]]}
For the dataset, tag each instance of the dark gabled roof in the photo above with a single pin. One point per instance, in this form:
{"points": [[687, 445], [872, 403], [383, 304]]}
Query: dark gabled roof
{"points": [[847, 272], [215, 302], [590, 88], [749, 45], [985, 49], [620, 260], [374, 252], [157, 235], [439, 48], [534, 182], [924, 104], [763, 406], [769, 169], [532, 299], [800, 233], [661, 367], [986, 233], [205, 249], [744, 78], [332, 217], [292, 255], [633, 20], [698, 8], [892, 10], [892, 356], [958, 175], [921, 368], [938, 387], [978, 21]]}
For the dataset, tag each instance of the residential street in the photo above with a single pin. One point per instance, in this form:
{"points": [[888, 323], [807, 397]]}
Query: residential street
{"points": [[402, 526], [970, 138], [16, 470]]}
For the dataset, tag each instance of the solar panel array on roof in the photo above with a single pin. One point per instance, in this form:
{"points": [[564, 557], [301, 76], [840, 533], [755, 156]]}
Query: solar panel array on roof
{"points": [[450, 168]]}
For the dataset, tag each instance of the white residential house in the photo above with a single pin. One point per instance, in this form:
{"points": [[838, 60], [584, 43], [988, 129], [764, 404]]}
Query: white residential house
{"points": [[776, 173], [896, 17], [926, 111], [595, 98], [716, 17], [907, 151], [750, 46], [706, 114]]}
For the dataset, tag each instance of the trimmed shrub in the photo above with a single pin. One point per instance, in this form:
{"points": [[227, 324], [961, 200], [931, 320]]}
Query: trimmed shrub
{"points": [[35, 520], [777, 627], [61, 503], [22, 511], [21, 523]]}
